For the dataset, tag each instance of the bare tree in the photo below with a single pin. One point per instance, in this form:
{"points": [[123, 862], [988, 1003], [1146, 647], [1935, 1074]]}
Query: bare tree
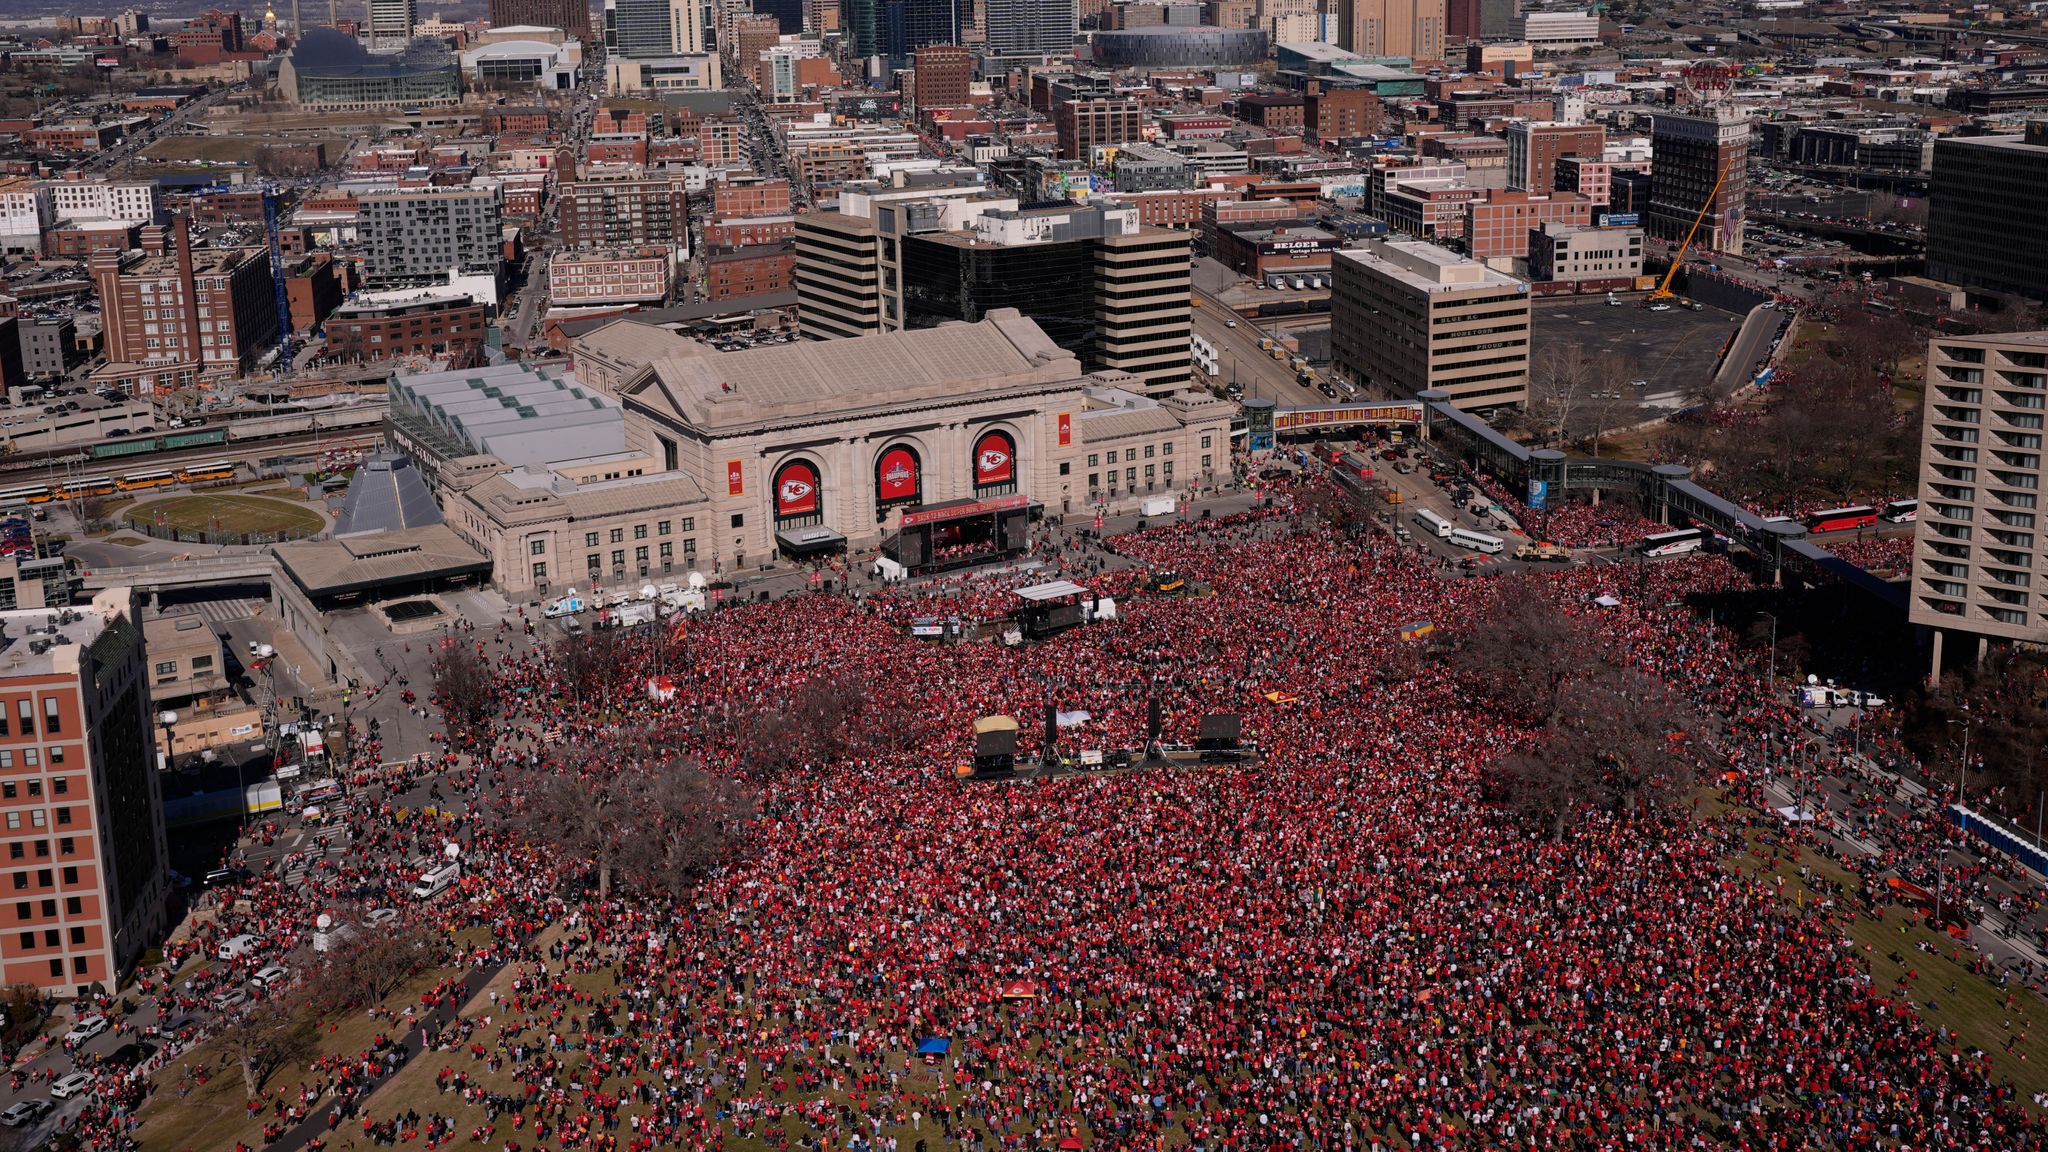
{"points": [[367, 963], [1523, 650], [269, 1035], [1611, 398], [629, 808], [463, 687], [824, 719], [591, 664], [1560, 383]]}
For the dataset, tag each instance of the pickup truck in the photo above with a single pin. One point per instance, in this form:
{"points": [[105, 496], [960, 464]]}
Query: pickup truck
{"points": [[1544, 553]]}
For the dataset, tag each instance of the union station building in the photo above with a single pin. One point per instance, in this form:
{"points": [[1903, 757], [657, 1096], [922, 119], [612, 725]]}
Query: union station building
{"points": [[648, 455]]}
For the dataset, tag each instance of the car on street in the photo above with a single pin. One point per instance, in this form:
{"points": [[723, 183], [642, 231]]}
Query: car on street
{"points": [[86, 1029], [271, 974], [236, 947], [381, 916], [25, 1112], [71, 1085], [130, 1054], [173, 1025]]}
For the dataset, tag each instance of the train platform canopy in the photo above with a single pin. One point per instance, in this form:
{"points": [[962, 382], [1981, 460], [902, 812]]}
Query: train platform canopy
{"points": [[1039, 593], [387, 493]]}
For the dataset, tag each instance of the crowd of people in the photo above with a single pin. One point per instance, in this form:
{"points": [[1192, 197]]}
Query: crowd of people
{"points": [[1339, 944]]}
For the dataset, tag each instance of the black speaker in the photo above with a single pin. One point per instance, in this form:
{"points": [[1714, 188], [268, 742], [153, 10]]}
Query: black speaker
{"points": [[1052, 729], [1152, 720]]}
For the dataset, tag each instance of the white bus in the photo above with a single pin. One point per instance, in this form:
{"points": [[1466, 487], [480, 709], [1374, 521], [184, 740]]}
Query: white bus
{"points": [[1477, 541], [1673, 543], [1434, 524], [1901, 512]]}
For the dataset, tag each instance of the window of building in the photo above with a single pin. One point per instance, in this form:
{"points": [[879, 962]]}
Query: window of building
{"points": [[1092, 462], [639, 531], [52, 722], [540, 571], [1148, 451], [739, 520], [56, 965], [618, 557], [71, 873], [78, 966], [16, 850], [536, 547], [1205, 460], [25, 712], [689, 525], [23, 910], [618, 535], [1166, 449], [640, 555], [1205, 444], [166, 670], [42, 877], [8, 789], [77, 934], [595, 562], [66, 845], [28, 941]]}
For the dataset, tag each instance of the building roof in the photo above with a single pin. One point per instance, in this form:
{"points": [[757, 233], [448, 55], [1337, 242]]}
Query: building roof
{"points": [[42, 641], [326, 52], [364, 562], [719, 390], [387, 494], [520, 413]]}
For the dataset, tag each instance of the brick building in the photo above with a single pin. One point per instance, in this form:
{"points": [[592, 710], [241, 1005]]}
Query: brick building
{"points": [[229, 206], [169, 304], [85, 833], [1340, 113], [750, 197], [743, 272], [630, 209], [1274, 113], [1497, 226], [944, 73], [1085, 125], [407, 322], [1535, 148], [581, 278], [742, 231]]}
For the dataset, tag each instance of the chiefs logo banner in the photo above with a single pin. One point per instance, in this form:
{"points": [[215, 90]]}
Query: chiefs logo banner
{"points": [[796, 490], [995, 459]]}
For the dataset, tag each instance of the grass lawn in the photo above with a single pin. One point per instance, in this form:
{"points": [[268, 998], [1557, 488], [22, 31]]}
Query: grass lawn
{"points": [[1975, 1011], [212, 1115], [227, 512]]}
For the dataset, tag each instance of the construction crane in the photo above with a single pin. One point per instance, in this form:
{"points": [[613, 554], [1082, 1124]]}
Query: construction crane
{"points": [[1664, 291], [285, 344]]}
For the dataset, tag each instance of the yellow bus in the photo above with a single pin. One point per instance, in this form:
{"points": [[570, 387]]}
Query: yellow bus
{"points": [[218, 470], [139, 481]]}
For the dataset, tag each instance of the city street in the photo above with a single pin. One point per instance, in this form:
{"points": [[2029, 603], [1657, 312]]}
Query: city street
{"points": [[1241, 361]]}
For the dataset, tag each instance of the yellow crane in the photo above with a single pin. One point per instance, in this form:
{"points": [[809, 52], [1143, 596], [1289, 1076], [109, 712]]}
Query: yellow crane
{"points": [[1664, 291]]}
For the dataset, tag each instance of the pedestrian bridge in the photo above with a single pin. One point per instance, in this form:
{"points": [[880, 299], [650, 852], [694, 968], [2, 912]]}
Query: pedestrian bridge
{"points": [[1666, 492], [183, 572]]}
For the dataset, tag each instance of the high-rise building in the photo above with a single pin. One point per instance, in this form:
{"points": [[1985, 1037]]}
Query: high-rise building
{"points": [[1407, 316], [649, 28], [890, 30], [1497, 18], [1413, 28], [944, 73], [788, 13], [1534, 148], [421, 234], [1111, 291], [1985, 227], [1032, 28], [1462, 20], [571, 16], [751, 36], [1977, 542], [391, 23], [85, 827], [1696, 157], [1085, 125], [627, 210], [213, 310]]}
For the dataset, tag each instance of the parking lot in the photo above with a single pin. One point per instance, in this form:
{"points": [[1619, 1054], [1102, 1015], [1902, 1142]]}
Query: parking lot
{"points": [[1673, 351]]}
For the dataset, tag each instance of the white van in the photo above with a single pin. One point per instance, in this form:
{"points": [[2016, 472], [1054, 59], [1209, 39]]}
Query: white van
{"points": [[1159, 506], [237, 947], [437, 880], [566, 606]]}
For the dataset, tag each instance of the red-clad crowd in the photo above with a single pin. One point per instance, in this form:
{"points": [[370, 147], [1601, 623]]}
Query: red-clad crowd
{"points": [[1342, 945]]}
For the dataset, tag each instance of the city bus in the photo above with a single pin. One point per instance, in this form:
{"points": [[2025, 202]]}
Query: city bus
{"points": [[1676, 543], [137, 481], [33, 494], [1434, 524], [1837, 519], [218, 470], [1901, 512], [1476, 541], [85, 486]]}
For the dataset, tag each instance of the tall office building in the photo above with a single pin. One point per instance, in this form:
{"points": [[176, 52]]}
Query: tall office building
{"points": [[1102, 286], [1696, 156], [1534, 148], [212, 310], [1985, 227], [1978, 541], [1407, 316], [890, 30], [1412, 28], [85, 826], [420, 234], [391, 23], [789, 14], [571, 16], [1027, 28], [945, 73], [650, 28], [1085, 125]]}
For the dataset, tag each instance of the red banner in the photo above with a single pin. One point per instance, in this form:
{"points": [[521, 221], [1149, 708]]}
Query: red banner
{"points": [[896, 479], [796, 490], [1066, 429], [995, 459], [963, 511], [733, 486]]}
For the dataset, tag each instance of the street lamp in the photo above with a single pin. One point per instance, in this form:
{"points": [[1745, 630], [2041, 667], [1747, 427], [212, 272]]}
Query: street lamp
{"points": [[1774, 651], [169, 720]]}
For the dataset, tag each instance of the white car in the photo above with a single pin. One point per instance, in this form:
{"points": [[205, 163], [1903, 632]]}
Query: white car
{"points": [[381, 916], [237, 947], [87, 1028], [274, 974], [71, 1085], [1660, 307], [25, 1112]]}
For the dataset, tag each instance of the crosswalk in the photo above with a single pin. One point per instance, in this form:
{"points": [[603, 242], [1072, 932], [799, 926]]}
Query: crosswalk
{"points": [[228, 611]]}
